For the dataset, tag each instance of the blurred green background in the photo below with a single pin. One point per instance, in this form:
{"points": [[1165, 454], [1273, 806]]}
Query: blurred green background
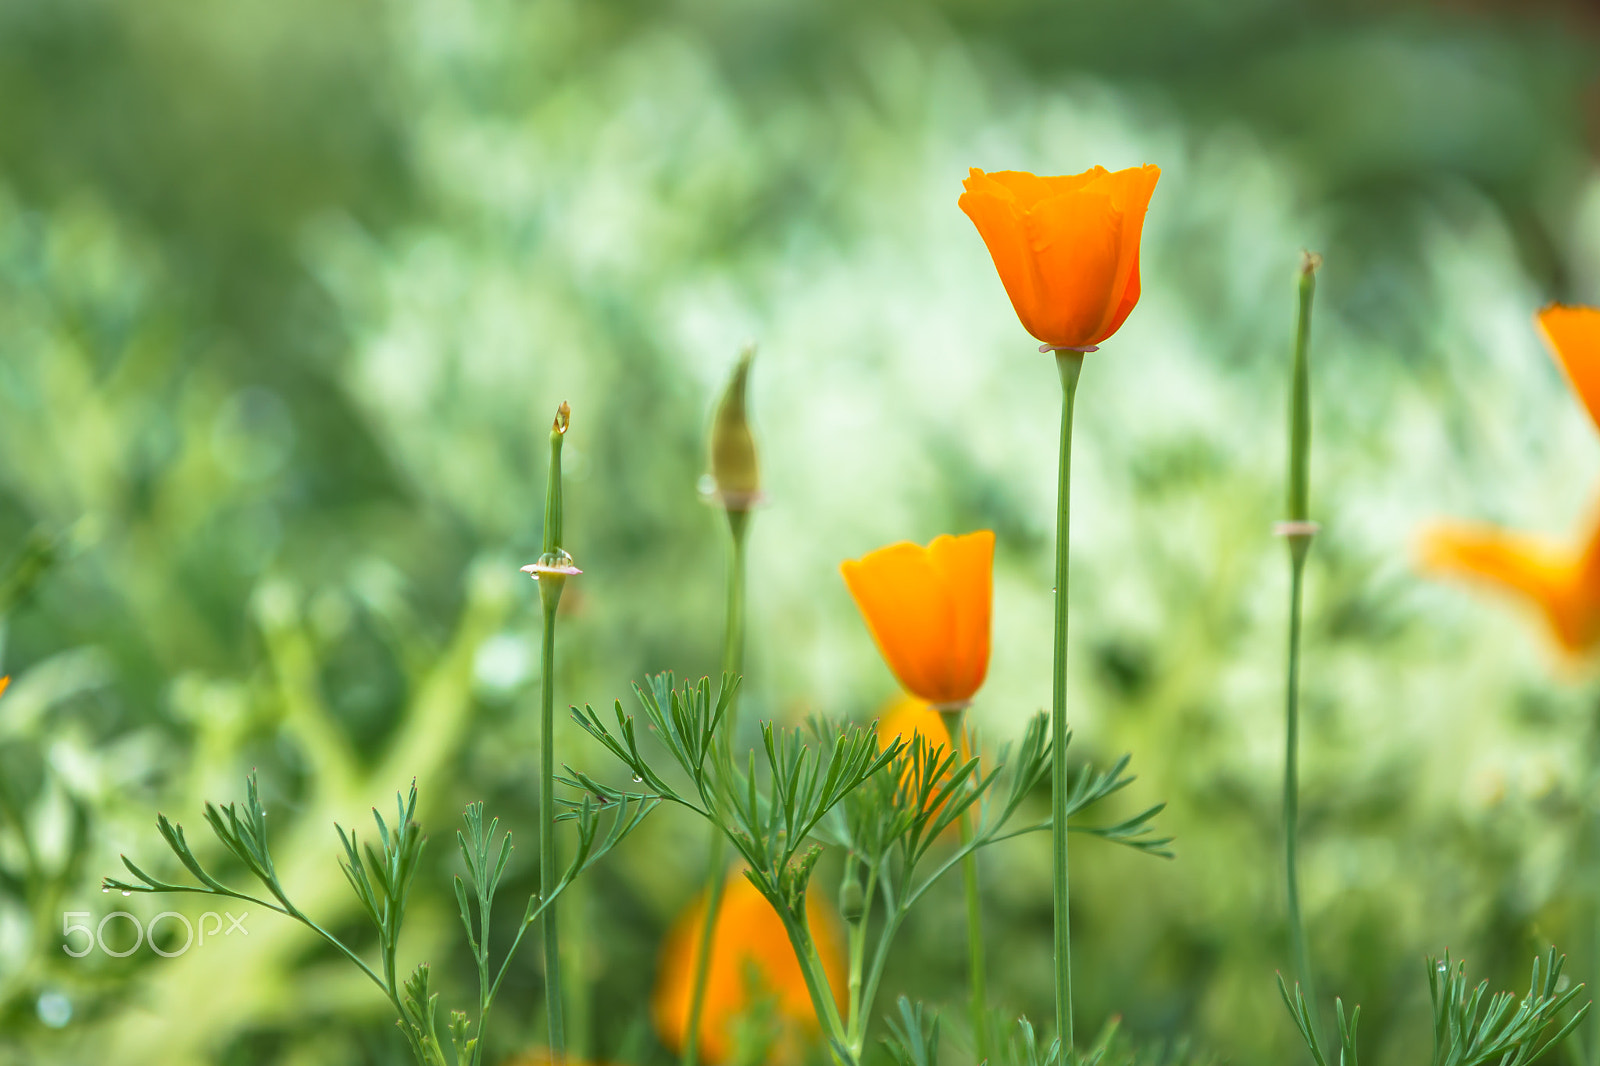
{"points": [[289, 291]]}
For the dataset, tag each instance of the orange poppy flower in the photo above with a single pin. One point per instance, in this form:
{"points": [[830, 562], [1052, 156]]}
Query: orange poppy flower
{"points": [[907, 717], [1573, 334], [4, 681], [749, 939], [1562, 582], [1564, 585], [1067, 248], [928, 609]]}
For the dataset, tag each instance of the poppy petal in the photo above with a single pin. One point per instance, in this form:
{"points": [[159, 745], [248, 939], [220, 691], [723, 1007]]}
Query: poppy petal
{"points": [[1075, 240], [966, 564], [908, 612], [1574, 336], [1532, 568], [928, 610]]}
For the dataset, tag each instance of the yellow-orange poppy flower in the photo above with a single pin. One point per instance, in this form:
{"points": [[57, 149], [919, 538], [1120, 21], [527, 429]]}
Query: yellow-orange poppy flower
{"points": [[1067, 248], [1574, 336], [928, 609], [749, 939], [1562, 582], [907, 717], [4, 681]]}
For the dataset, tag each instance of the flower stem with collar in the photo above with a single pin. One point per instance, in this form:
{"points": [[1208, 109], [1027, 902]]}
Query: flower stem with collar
{"points": [[1298, 530], [1070, 364], [551, 571], [736, 474], [1048, 236]]}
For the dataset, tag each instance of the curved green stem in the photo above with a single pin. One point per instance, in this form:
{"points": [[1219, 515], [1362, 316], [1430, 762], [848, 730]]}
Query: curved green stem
{"points": [[816, 978], [1070, 365], [716, 861], [880, 957]]}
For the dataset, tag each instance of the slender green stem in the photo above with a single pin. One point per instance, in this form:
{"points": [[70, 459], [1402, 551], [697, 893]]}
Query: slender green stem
{"points": [[894, 916], [390, 989], [1070, 365], [547, 838], [716, 861], [857, 1024], [1291, 784], [976, 979], [485, 996], [552, 580], [1298, 532], [733, 623], [1588, 1050]]}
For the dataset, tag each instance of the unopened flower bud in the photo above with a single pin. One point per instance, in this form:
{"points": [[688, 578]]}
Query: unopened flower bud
{"points": [[554, 565], [852, 900], [734, 470]]}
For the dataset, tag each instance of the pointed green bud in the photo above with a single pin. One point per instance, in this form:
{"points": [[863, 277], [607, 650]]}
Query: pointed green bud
{"points": [[552, 492], [555, 565], [1300, 396], [1298, 528], [734, 470]]}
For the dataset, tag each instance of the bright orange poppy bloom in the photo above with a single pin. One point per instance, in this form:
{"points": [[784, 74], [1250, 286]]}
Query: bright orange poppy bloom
{"points": [[907, 717], [1067, 248], [749, 940], [928, 609], [1562, 582], [4, 681]]}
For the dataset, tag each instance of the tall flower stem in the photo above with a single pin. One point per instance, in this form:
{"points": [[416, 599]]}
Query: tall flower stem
{"points": [[976, 976], [1070, 365], [1298, 531], [552, 580], [716, 862]]}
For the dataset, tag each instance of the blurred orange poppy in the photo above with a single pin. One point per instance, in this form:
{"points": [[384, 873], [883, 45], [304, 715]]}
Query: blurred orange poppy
{"points": [[749, 941], [4, 681], [1067, 248], [1564, 585], [1562, 582], [928, 609], [907, 717], [1573, 334]]}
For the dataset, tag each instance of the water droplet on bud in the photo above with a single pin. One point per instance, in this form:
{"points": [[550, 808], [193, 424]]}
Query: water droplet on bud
{"points": [[638, 779], [127, 893]]}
